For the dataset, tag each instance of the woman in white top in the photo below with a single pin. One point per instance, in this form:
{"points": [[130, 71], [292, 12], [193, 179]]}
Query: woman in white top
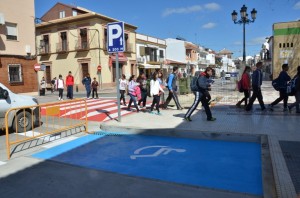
{"points": [[123, 83], [155, 91], [60, 84], [131, 92]]}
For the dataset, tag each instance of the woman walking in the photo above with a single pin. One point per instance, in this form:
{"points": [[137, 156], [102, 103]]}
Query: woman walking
{"points": [[162, 85], [246, 86], [202, 94], [60, 84], [122, 87], [131, 91], [155, 92]]}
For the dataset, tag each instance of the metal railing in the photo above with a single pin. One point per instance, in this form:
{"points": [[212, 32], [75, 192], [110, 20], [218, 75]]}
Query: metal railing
{"points": [[82, 45], [28, 124], [62, 47], [45, 49]]}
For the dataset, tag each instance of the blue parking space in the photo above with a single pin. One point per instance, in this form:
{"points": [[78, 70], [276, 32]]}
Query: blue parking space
{"points": [[224, 165]]}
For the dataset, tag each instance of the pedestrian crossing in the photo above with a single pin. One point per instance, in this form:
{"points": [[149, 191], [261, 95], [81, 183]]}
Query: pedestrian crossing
{"points": [[97, 110]]}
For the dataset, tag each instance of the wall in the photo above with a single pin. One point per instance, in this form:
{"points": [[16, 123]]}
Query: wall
{"points": [[175, 50]]}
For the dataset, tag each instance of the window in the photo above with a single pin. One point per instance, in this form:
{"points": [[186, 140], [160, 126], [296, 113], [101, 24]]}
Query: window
{"points": [[283, 45], [74, 12], [11, 30], [292, 45], [287, 45], [14, 73], [279, 45], [83, 38], [161, 53], [64, 41], [62, 14]]}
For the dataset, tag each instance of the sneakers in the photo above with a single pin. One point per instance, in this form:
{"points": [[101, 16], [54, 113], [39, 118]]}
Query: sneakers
{"points": [[187, 119], [211, 119], [285, 109], [158, 113], [58, 98], [270, 107], [151, 112]]}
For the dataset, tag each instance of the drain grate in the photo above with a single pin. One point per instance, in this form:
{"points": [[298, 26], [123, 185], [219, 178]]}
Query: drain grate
{"points": [[291, 153]]}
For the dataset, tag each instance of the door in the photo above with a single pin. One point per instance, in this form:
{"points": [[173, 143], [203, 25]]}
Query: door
{"points": [[48, 75], [114, 73], [84, 69]]}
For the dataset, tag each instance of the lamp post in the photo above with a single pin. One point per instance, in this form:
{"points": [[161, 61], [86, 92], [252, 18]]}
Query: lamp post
{"points": [[244, 20]]}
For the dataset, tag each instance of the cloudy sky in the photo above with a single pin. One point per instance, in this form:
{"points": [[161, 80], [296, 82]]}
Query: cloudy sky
{"points": [[207, 23]]}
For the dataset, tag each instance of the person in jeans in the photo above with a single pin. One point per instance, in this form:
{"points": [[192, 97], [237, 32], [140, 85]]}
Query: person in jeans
{"points": [[155, 92], [60, 84], [142, 80], [246, 86], [123, 83], [172, 87], [256, 87], [131, 91], [284, 78], [70, 84], [95, 85], [162, 85], [202, 94], [87, 81], [297, 94]]}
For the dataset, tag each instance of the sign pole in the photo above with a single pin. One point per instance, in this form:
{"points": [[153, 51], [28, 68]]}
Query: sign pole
{"points": [[118, 88]]}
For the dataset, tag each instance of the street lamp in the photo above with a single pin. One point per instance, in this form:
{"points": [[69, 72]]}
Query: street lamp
{"points": [[244, 20]]}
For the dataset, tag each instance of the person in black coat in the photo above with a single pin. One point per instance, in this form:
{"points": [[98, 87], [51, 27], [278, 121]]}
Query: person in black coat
{"points": [[284, 78], [297, 94]]}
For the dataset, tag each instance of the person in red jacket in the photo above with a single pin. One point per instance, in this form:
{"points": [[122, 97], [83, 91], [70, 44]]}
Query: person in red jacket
{"points": [[246, 85], [70, 83]]}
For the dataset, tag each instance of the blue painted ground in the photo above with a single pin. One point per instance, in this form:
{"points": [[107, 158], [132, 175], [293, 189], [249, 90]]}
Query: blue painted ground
{"points": [[225, 165]]}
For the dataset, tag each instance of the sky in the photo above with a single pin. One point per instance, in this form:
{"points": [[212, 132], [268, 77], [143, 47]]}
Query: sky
{"points": [[206, 22]]}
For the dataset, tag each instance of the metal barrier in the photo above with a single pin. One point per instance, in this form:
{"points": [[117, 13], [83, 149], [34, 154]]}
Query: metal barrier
{"points": [[28, 124]]}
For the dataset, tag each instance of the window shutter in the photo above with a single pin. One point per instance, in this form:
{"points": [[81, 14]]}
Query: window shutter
{"points": [[142, 50], [147, 50], [161, 53]]}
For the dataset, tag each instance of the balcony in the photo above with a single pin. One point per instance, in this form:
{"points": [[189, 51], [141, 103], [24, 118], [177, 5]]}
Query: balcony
{"points": [[82, 45], [62, 47], [43, 50]]}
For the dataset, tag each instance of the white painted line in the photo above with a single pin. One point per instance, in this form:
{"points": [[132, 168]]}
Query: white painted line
{"points": [[29, 133], [89, 108], [59, 142], [99, 112], [2, 163]]}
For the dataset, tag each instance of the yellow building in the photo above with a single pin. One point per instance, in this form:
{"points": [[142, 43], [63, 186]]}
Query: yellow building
{"points": [[74, 39], [286, 48]]}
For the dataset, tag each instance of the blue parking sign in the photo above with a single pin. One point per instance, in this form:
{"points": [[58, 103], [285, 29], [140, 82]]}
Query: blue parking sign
{"points": [[115, 37]]}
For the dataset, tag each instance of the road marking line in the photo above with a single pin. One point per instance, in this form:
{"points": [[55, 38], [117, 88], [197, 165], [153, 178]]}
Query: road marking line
{"points": [[59, 142], [2, 163], [94, 113]]}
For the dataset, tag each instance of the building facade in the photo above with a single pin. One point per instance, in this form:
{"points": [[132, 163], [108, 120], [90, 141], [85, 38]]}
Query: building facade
{"points": [[75, 39], [17, 45], [151, 53], [286, 47]]}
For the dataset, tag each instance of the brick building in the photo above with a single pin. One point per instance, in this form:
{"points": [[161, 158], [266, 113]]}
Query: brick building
{"points": [[17, 45]]}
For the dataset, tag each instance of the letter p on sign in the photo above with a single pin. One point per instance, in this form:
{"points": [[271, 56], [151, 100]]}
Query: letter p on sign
{"points": [[115, 37]]}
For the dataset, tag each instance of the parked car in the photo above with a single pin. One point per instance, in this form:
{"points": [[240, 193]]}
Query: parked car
{"points": [[9, 100]]}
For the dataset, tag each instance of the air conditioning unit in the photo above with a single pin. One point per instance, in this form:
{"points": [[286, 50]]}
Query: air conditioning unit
{"points": [[140, 59], [2, 20]]}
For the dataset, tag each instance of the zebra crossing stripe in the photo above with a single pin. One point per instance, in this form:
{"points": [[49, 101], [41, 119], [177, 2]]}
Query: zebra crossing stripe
{"points": [[94, 113], [89, 108]]}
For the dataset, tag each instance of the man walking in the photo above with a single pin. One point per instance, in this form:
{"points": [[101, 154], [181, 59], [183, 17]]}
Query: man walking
{"points": [[70, 84], [172, 87], [256, 86]]}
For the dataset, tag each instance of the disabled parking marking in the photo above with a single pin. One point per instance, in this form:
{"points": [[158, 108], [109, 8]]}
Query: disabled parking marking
{"points": [[164, 150]]}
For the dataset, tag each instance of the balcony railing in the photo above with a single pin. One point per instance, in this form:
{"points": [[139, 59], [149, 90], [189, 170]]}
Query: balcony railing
{"points": [[82, 45], [62, 47], [45, 49]]}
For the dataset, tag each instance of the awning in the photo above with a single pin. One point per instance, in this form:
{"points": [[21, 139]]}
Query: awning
{"points": [[122, 57], [148, 66]]}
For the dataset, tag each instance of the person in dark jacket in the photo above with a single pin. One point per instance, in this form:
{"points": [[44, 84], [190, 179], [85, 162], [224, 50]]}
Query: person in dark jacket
{"points": [[142, 80], [284, 78], [202, 95], [297, 94], [87, 81], [256, 87], [172, 87], [246, 86]]}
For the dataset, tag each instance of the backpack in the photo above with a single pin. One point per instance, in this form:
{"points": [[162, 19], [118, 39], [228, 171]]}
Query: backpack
{"points": [[194, 83], [291, 87], [276, 84], [240, 86]]}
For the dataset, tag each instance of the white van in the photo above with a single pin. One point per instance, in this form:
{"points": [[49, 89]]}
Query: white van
{"points": [[9, 100]]}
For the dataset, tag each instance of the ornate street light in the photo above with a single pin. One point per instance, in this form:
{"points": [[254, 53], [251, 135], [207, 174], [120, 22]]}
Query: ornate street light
{"points": [[244, 20]]}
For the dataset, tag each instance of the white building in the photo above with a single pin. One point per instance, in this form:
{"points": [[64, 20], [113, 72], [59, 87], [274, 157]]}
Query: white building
{"points": [[151, 53]]}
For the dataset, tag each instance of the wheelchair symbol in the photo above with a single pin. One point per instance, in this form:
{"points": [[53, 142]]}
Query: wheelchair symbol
{"points": [[162, 150]]}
